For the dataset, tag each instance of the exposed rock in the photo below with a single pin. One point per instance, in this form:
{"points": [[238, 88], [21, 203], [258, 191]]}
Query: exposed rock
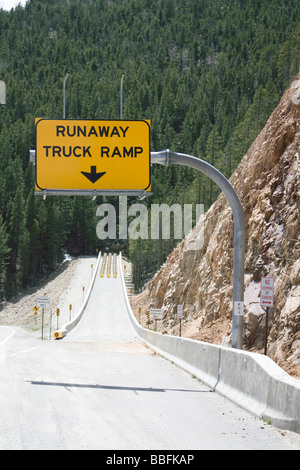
{"points": [[268, 184]]}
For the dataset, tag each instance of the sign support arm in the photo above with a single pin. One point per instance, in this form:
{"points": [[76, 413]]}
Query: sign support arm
{"points": [[167, 157]]}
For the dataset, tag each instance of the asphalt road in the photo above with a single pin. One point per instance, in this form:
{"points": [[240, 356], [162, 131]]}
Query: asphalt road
{"points": [[102, 388]]}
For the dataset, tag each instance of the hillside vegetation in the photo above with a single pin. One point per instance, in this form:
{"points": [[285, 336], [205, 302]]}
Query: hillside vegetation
{"points": [[206, 73]]}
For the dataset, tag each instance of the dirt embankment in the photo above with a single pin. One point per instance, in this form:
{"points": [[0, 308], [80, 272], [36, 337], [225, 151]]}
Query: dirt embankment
{"points": [[64, 287]]}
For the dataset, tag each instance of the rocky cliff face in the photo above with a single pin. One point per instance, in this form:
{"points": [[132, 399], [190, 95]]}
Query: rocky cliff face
{"points": [[268, 184]]}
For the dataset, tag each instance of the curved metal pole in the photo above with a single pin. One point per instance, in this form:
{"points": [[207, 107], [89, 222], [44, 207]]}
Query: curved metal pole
{"points": [[166, 157]]}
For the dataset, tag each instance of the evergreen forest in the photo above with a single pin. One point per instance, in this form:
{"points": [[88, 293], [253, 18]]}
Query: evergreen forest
{"points": [[207, 73]]}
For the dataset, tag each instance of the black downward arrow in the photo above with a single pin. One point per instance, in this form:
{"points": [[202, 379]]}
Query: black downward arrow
{"points": [[93, 176]]}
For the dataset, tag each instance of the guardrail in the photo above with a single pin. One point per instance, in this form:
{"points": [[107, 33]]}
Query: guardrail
{"points": [[252, 381]]}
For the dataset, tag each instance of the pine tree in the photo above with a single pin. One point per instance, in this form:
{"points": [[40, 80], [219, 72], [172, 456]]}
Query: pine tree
{"points": [[15, 238], [4, 252]]}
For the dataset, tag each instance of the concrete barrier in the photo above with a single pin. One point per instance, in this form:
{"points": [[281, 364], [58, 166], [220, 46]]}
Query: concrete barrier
{"points": [[252, 381], [70, 325], [189, 354]]}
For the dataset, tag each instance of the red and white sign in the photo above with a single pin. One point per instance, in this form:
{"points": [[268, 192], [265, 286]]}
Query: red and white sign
{"points": [[267, 292], [179, 311]]}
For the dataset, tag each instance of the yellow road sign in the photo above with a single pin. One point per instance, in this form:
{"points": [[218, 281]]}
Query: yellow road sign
{"points": [[57, 334], [92, 154]]}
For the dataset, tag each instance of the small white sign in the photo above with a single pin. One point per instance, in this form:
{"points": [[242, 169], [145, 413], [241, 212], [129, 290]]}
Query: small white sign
{"points": [[156, 313], [43, 302], [238, 307], [267, 292], [180, 311]]}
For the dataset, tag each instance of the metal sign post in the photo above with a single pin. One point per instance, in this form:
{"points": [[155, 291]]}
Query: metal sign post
{"points": [[266, 302], [57, 316], [180, 316], [43, 311], [266, 331], [43, 302], [35, 309], [50, 326]]}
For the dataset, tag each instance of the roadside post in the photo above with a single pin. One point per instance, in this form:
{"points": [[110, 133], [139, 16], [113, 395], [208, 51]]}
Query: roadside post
{"points": [[35, 309], [43, 302], [267, 301], [70, 312], [180, 316], [50, 326], [57, 315]]}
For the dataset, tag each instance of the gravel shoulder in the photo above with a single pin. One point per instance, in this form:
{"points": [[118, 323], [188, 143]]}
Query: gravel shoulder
{"points": [[64, 287]]}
